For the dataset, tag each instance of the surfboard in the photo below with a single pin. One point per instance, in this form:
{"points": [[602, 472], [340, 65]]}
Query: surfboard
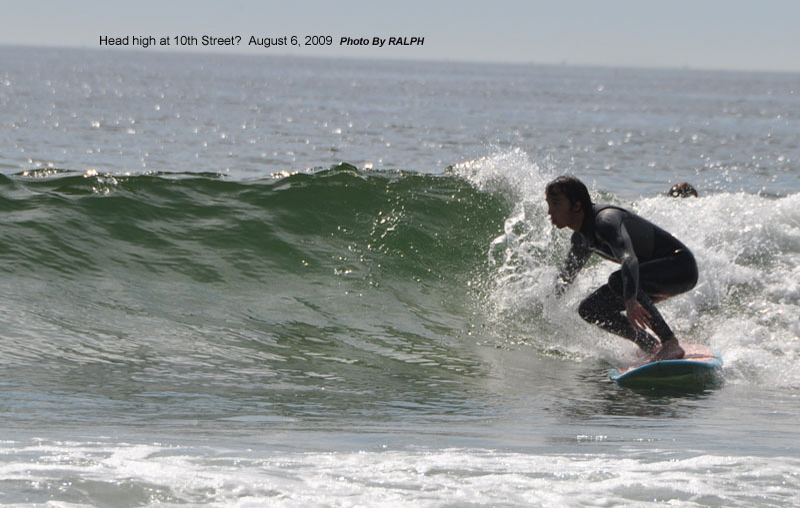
{"points": [[699, 367]]}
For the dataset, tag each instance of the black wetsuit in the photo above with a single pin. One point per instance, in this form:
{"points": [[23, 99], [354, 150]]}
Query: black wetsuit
{"points": [[654, 266]]}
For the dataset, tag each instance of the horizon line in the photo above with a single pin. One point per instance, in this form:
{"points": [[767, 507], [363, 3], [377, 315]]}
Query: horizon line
{"points": [[453, 60]]}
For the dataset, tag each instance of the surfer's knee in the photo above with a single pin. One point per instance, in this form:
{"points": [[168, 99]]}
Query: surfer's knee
{"points": [[588, 310], [599, 305]]}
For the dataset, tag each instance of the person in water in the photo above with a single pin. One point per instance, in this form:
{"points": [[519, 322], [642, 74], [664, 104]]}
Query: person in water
{"points": [[682, 190], [654, 266]]}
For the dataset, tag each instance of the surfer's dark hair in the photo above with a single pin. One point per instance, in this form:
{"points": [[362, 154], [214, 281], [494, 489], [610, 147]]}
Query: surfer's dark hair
{"points": [[573, 189]]}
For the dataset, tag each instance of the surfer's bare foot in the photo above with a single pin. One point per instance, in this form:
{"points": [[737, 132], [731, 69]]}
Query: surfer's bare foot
{"points": [[670, 350]]}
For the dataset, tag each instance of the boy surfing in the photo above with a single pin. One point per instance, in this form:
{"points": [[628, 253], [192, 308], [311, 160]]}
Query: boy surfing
{"points": [[654, 266]]}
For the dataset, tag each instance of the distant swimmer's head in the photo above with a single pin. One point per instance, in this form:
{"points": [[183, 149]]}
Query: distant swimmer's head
{"points": [[567, 200], [682, 190]]}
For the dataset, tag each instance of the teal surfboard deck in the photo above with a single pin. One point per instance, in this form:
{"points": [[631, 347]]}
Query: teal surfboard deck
{"points": [[700, 367]]}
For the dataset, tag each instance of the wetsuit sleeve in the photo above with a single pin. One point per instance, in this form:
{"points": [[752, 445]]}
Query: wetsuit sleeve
{"points": [[576, 259], [616, 237]]}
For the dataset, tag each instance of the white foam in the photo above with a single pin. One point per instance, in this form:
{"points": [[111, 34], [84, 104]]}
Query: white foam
{"points": [[157, 474]]}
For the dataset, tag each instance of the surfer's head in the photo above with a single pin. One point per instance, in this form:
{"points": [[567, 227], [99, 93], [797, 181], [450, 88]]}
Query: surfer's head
{"points": [[567, 200], [573, 189]]}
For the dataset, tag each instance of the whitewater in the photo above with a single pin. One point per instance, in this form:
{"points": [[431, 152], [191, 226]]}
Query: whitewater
{"points": [[249, 281]]}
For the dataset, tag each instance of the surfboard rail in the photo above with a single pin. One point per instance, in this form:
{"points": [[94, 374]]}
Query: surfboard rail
{"points": [[699, 367]]}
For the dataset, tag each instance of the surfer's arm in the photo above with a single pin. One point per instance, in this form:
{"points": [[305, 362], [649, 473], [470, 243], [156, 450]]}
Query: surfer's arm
{"points": [[621, 246], [576, 259], [612, 232]]}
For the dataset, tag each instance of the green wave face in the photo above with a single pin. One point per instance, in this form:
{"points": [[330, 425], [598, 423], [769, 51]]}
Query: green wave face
{"points": [[335, 222], [338, 273]]}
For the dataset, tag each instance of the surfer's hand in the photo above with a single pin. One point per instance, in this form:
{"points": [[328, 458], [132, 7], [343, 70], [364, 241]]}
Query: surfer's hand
{"points": [[560, 288], [638, 315]]}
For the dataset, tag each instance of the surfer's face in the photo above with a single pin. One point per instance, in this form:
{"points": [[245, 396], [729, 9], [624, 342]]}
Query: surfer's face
{"points": [[562, 212]]}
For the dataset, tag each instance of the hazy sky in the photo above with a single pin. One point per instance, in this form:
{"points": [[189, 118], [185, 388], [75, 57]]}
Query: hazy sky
{"points": [[713, 34]]}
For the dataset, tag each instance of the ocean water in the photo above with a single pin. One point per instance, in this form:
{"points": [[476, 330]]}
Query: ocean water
{"points": [[244, 281]]}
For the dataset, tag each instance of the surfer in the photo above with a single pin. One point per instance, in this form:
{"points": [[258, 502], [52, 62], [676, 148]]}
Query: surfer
{"points": [[654, 266]]}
